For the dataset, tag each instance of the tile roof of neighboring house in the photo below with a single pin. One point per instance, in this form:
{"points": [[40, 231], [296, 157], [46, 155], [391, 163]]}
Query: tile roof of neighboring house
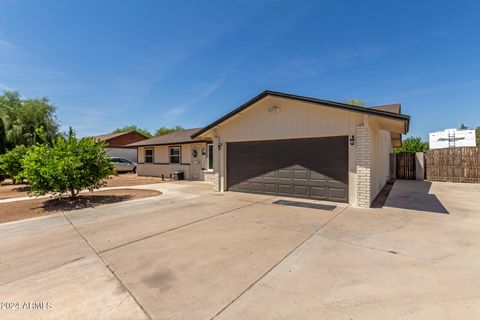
{"points": [[372, 111], [180, 136], [394, 108], [104, 137]]}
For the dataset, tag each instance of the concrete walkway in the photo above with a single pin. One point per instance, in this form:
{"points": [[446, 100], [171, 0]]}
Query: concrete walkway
{"points": [[194, 254]]}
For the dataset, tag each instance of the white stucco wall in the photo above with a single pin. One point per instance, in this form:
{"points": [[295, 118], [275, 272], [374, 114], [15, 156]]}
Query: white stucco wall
{"points": [[382, 147], [156, 170], [192, 167]]}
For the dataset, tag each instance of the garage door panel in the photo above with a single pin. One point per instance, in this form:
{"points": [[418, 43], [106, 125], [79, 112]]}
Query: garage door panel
{"points": [[336, 194], [270, 175], [308, 168], [300, 191], [318, 192], [317, 177], [256, 187], [284, 189], [270, 188], [300, 174], [244, 186], [284, 174]]}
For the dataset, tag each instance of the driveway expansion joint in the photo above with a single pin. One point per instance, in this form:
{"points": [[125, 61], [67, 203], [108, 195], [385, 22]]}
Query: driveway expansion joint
{"points": [[45, 270], [278, 262], [179, 227], [107, 266], [394, 252]]}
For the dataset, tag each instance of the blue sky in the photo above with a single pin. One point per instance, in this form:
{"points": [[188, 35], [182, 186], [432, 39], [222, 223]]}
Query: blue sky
{"points": [[106, 64]]}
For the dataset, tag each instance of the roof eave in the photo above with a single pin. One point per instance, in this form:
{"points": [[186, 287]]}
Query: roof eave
{"points": [[343, 106], [133, 145]]}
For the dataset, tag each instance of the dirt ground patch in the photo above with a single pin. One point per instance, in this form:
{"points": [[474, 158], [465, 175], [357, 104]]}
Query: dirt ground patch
{"points": [[9, 190], [25, 209], [131, 179]]}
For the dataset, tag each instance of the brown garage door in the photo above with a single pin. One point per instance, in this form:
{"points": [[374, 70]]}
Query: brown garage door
{"points": [[306, 168]]}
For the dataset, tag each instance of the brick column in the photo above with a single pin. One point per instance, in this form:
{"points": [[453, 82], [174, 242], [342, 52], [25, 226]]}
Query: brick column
{"points": [[364, 166], [216, 165]]}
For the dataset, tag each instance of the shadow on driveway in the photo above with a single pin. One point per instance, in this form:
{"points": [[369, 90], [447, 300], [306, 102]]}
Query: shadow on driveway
{"points": [[414, 195]]}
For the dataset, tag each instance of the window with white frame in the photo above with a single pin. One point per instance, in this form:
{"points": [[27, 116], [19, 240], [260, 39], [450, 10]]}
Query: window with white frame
{"points": [[209, 156], [174, 154], [149, 155]]}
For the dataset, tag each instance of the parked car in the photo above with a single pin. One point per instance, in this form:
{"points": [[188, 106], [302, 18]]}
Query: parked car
{"points": [[124, 165]]}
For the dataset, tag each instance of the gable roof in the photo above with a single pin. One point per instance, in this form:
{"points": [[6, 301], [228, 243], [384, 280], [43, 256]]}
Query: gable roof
{"points": [[176, 137], [377, 111], [108, 136]]}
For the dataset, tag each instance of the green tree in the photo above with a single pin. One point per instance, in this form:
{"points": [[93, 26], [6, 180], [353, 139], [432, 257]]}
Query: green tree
{"points": [[463, 127], [3, 176], [3, 139], [356, 102], [22, 118], [133, 127], [413, 144], [11, 163], [165, 130], [67, 167]]}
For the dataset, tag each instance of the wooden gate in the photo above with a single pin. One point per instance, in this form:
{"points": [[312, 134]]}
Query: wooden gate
{"points": [[461, 164], [406, 166]]}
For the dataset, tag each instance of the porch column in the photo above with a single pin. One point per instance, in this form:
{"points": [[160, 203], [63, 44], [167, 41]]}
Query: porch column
{"points": [[216, 165], [364, 165]]}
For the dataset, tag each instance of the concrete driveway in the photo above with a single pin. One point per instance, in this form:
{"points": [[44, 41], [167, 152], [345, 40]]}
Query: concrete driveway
{"points": [[193, 254]]}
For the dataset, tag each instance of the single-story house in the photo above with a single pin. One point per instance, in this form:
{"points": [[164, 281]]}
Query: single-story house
{"points": [[116, 144], [176, 151], [286, 145]]}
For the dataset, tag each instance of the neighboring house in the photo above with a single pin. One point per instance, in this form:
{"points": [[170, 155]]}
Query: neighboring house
{"points": [[286, 145], [451, 138], [176, 151], [117, 144]]}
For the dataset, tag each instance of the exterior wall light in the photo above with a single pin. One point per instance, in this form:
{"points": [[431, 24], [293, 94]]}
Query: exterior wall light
{"points": [[220, 146], [352, 140]]}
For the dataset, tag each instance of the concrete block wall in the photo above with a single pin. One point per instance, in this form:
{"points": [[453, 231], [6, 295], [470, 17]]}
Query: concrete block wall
{"points": [[364, 166]]}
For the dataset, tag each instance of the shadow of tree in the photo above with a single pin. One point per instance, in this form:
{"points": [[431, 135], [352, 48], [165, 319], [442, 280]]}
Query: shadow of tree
{"points": [[22, 189], [82, 202]]}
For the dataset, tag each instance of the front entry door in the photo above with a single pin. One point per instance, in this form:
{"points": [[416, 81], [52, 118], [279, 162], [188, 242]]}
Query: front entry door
{"points": [[196, 164]]}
